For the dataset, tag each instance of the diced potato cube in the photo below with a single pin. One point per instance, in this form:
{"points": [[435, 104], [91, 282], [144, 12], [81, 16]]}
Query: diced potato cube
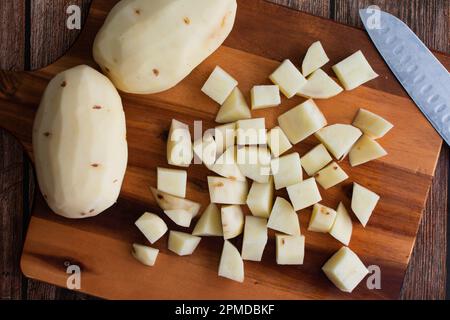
{"points": [[290, 249], [345, 269], [265, 96], [260, 198], [288, 78], [231, 265], [181, 217], [354, 71], [322, 219], [330, 176], [226, 165], [179, 145], [205, 150], [320, 86], [339, 138], [182, 243], [254, 162], [151, 226], [169, 202], [283, 218], [225, 136], [365, 149], [251, 131], [315, 59], [172, 181], [278, 142], [255, 238], [227, 191], [343, 226], [315, 159], [304, 194], [219, 85], [302, 121], [144, 254], [372, 124], [364, 202], [232, 221], [234, 108], [286, 170], [210, 223]]}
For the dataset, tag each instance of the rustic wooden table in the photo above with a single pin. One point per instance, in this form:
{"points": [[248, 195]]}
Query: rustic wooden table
{"points": [[33, 34]]}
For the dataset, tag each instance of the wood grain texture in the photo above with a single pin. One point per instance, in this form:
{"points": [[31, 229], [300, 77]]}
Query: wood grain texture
{"points": [[11, 209], [12, 35], [38, 290], [46, 17], [427, 271], [417, 289], [320, 8], [429, 19]]}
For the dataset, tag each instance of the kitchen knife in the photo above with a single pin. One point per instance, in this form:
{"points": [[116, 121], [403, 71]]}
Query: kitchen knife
{"points": [[425, 79]]}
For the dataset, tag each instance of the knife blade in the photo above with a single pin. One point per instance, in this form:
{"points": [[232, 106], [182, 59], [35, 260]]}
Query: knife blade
{"points": [[425, 79]]}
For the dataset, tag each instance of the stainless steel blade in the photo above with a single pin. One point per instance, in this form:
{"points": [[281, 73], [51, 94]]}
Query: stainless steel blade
{"points": [[425, 79]]}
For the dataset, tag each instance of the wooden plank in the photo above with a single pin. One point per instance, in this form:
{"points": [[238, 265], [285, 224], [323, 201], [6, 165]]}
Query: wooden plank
{"points": [[11, 219], [38, 290], [46, 16], [428, 19], [320, 8], [12, 35]]}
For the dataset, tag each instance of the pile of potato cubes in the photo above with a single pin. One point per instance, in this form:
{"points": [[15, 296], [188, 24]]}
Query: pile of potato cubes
{"points": [[241, 149]]}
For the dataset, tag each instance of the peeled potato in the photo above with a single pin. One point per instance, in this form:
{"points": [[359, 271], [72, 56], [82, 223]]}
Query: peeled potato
{"points": [[169, 202], [338, 138], [315, 58], [372, 124], [343, 227], [234, 108], [151, 226], [226, 165], [302, 121], [179, 145], [345, 269], [210, 223], [365, 149], [354, 71], [231, 265], [320, 86], [144, 254], [150, 46], [79, 143], [182, 243]]}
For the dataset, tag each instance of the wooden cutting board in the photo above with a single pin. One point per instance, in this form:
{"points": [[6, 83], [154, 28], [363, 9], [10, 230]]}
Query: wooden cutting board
{"points": [[264, 34]]}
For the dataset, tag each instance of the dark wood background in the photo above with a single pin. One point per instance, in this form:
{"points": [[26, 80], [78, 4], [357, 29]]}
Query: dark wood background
{"points": [[33, 34]]}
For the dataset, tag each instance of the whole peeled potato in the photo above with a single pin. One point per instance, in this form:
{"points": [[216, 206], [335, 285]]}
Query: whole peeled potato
{"points": [[79, 143], [148, 46]]}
